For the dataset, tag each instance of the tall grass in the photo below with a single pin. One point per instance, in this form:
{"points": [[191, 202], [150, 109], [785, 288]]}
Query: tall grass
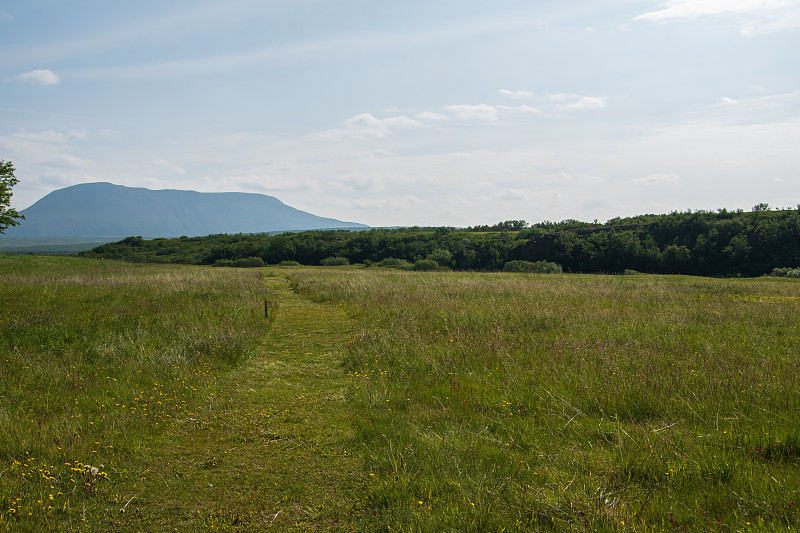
{"points": [[96, 358], [491, 402]]}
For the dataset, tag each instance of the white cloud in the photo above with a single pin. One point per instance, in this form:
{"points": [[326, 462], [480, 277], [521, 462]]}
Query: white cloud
{"points": [[580, 179], [357, 181], [553, 102], [39, 77], [699, 8], [366, 126], [749, 109], [587, 102], [788, 20], [79, 134], [36, 146], [68, 161], [369, 154], [657, 178], [405, 201], [44, 161], [516, 94], [576, 102], [378, 127], [765, 16], [55, 180], [431, 116], [510, 194], [6, 16], [47, 136], [366, 42], [163, 163], [481, 112], [262, 182]]}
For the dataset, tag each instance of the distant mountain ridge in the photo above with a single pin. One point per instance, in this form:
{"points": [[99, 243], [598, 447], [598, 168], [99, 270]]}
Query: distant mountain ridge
{"points": [[107, 210]]}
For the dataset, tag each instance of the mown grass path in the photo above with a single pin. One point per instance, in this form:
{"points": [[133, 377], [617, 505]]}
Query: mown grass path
{"points": [[269, 450]]}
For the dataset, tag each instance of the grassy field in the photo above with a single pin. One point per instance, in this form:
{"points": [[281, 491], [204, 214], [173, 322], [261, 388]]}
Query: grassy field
{"points": [[491, 402], [142, 398], [379, 400]]}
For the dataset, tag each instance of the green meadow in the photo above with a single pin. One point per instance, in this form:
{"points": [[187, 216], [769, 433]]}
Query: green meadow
{"points": [[159, 398]]}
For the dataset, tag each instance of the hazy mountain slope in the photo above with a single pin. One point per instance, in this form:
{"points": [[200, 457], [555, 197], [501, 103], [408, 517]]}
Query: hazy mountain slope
{"points": [[108, 210]]}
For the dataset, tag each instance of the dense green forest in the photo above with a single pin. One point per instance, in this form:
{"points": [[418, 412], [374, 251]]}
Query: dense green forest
{"points": [[707, 243]]}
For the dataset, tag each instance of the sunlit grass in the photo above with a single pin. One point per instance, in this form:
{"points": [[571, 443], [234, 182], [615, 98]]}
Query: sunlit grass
{"points": [[501, 401], [154, 398], [96, 360]]}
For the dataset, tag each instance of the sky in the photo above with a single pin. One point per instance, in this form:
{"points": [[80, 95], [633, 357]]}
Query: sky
{"points": [[413, 112]]}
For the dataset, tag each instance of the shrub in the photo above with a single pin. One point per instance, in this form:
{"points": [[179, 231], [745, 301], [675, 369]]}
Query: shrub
{"points": [[426, 265], [442, 257], [630, 272], [248, 262], [392, 262], [335, 261], [223, 263], [537, 267], [288, 263], [389, 262], [786, 272]]}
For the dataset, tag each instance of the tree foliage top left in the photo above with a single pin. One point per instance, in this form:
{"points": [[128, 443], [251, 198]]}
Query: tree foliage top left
{"points": [[8, 216]]}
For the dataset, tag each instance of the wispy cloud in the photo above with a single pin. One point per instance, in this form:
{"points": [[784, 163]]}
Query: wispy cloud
{"points": [[574, 178], [163, 163], [260, 180], [39, 77], [789, 20], [332, 46], [576, 102], [698, 8], [366, 126], [79, 134], [554, 102], [510, 194], [480, 112], [50, 153], [748, 109], [67, 161], [657, 178], [763, 16], [516, 94], [528, 109], [430, 116]]}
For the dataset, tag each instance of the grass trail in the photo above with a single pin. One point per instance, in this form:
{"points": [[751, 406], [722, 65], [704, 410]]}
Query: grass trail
{"points": [[270, 448]]}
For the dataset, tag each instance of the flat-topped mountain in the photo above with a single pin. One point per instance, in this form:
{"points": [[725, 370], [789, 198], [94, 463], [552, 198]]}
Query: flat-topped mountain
{"points": [[108, 210]]}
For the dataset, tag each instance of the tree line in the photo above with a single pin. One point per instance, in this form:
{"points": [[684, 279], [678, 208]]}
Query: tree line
{"points": [[706, 243]]}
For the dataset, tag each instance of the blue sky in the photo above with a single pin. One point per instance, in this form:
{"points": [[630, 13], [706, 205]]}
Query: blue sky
{"points": [[434, 112]]}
